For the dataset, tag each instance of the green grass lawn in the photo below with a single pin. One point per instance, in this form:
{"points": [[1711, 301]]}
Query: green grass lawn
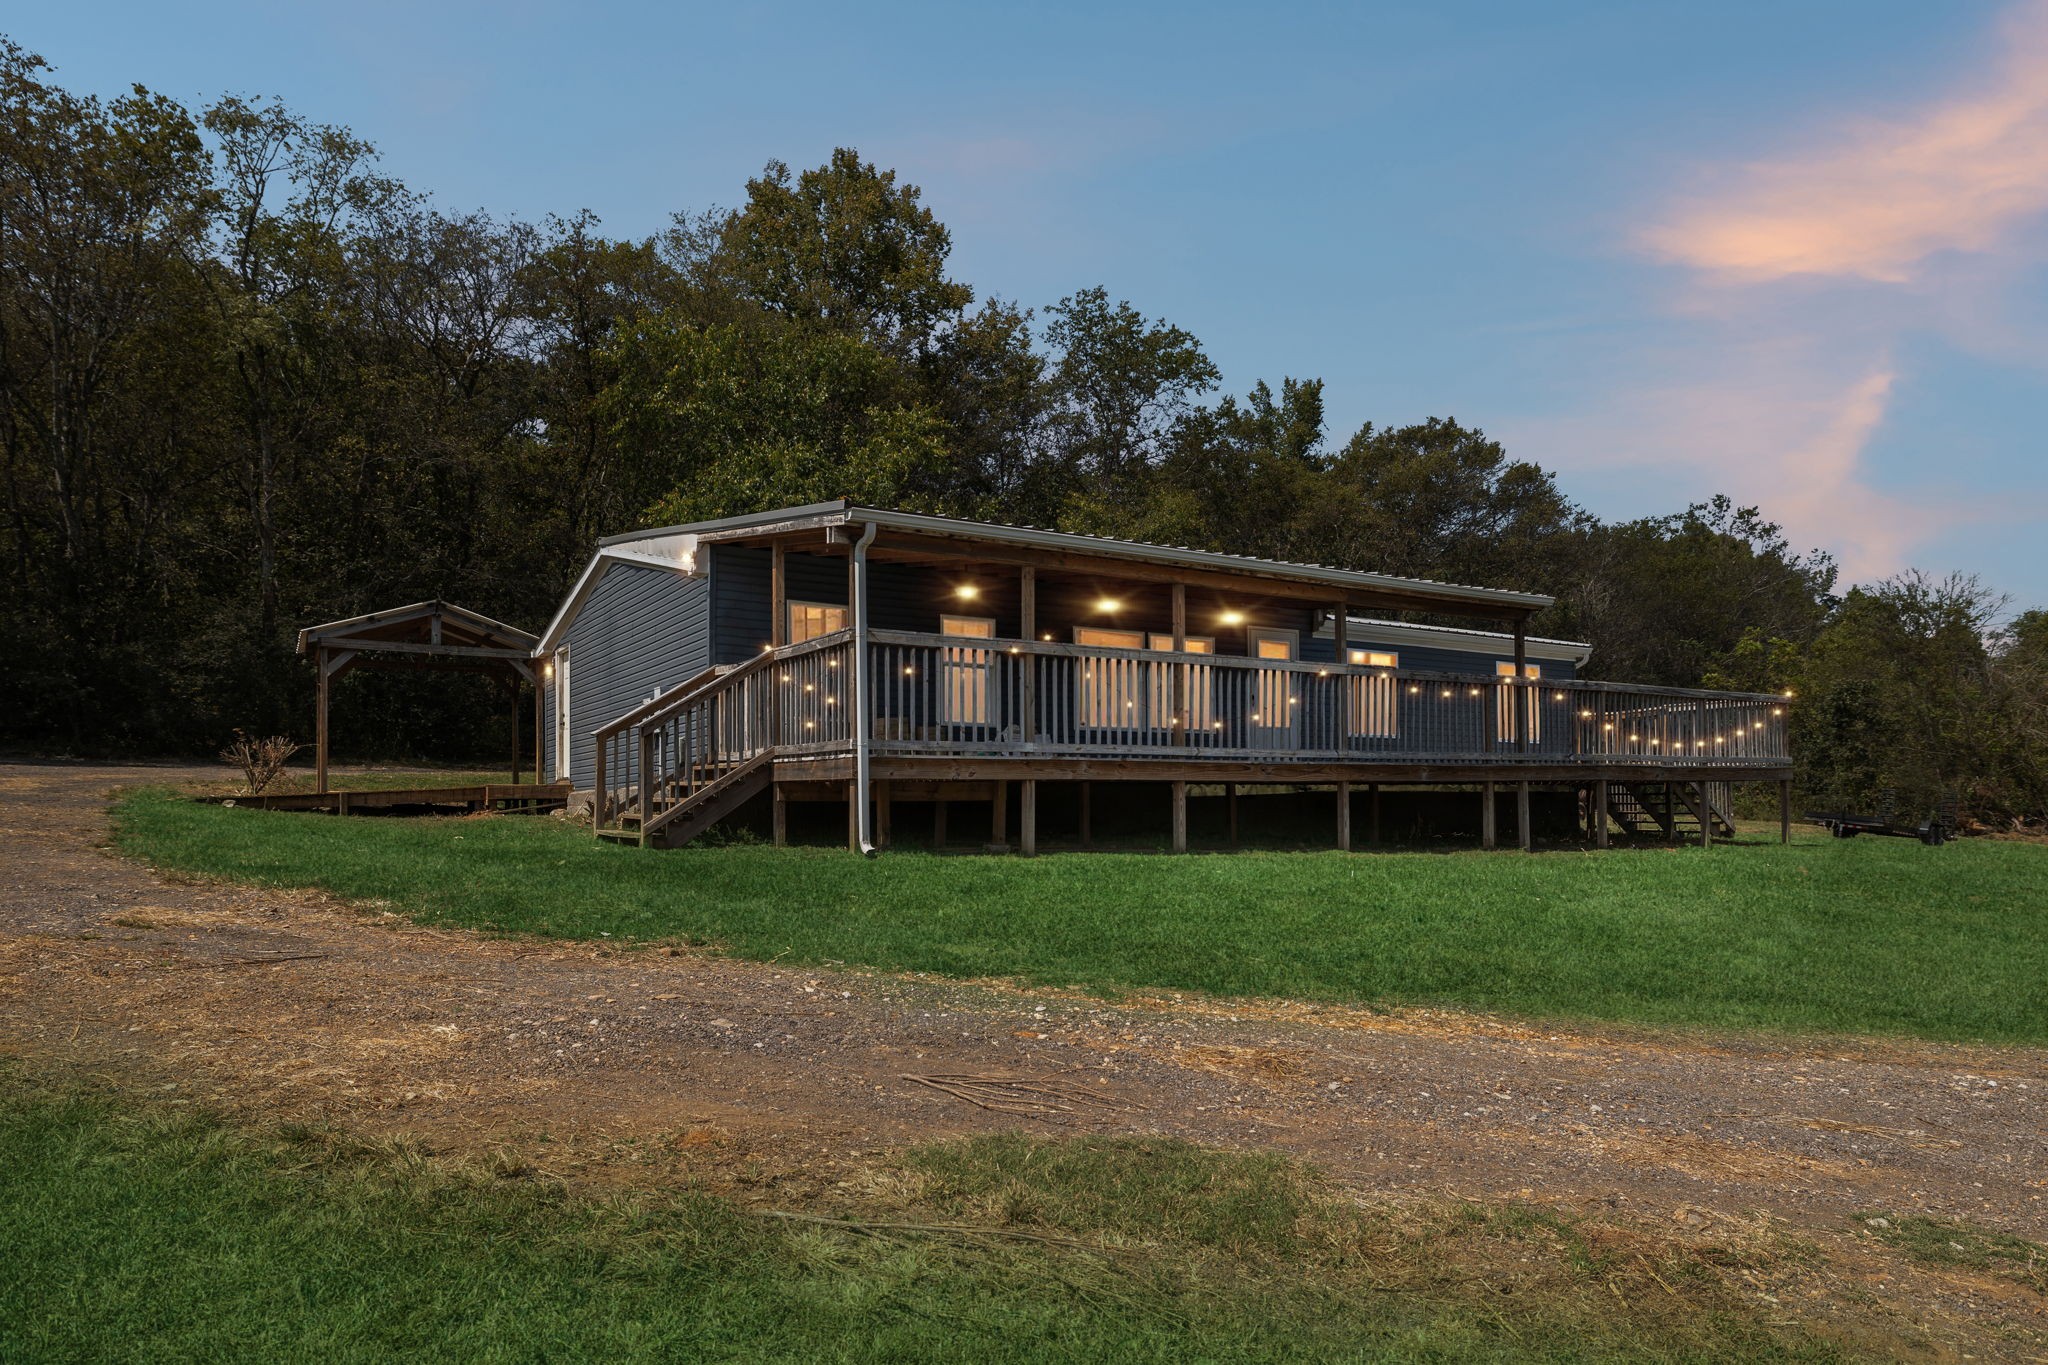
{"points": [[1857, 936], [141, 1231]]}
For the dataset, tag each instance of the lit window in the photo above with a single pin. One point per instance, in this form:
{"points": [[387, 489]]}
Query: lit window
{"points": [[809, 620]]}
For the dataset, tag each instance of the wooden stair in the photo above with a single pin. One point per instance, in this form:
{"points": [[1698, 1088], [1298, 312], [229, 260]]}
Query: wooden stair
{"points": [[1669, 810]]}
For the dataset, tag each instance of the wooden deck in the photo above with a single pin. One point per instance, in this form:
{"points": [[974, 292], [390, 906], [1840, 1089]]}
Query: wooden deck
{"points": [[506, 796], [945, 709]]}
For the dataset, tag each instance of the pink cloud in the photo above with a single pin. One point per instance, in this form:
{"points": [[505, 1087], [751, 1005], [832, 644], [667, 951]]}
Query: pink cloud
{"points": [[1874, 200]]}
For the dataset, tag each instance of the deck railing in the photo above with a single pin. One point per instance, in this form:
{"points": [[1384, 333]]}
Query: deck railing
{"points": [[795, 700], [941, 695]]}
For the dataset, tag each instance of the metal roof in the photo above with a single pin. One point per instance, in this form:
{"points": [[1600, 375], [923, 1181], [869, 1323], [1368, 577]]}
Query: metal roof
{"points": [[845, 511]]}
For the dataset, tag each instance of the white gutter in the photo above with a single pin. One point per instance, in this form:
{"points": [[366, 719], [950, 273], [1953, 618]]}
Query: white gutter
{"points": [[861, 726]]}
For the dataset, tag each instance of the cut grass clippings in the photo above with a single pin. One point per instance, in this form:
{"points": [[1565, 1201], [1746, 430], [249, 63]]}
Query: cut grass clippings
{"points": [[148, 1231], [1861, 936]]}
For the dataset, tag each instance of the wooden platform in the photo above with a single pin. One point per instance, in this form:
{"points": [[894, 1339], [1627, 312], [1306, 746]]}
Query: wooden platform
{"points": [[531, 797]]}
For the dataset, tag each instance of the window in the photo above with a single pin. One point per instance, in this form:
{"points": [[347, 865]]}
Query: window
{"points": [[809, 620], [1504, 717], [964, 669], [1374, 708]]}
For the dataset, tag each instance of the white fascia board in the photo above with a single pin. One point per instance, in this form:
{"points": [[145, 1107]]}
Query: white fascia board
{"points": [[673, 553]]}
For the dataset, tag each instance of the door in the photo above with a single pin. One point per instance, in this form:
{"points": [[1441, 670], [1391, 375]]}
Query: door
{"points": [[1275, 693], [561, 671], [963, 685], [1111, 689], [1504, 714]]}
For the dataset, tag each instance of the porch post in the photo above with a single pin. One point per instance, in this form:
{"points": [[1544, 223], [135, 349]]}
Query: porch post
{"points": [[1600, 813], [778, 595], [1521, 692], [320, 723], [540, 741], [1488, 834], [1784, 812], [1180, 670], [1339, 630], [512, 685], [1344, 817], [1027, 816], [1522, 830], [1027, 627], [1180, 817]]}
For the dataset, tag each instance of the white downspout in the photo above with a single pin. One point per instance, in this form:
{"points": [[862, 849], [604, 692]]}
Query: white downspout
{"points": [[861, 722]]}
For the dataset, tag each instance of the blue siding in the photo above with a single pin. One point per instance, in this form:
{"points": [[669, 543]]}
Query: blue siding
{"points": [[641, 629]]}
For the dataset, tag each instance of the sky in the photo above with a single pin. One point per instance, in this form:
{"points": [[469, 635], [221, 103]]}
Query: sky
{"points": [[1795, 251]]}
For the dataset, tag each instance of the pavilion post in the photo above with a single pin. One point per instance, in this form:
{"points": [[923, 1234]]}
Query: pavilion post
{"points": [[320, 724]]}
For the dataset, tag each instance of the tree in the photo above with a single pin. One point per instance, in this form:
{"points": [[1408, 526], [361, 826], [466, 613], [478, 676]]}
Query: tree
{"points": [[1119, 386], [844, 246], [1440, 500]]}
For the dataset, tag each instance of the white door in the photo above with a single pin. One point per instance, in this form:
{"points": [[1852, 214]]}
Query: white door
{"points": [[561, 668]]}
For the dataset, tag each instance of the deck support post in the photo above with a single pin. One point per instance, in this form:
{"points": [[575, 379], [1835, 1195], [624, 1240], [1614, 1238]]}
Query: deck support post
{"points": [[1489, 834], [1230, 808], [1600, 813], [1526, 835], [779, 804], [1784, 812], [1344, 817], [1027, 817], [1180, 817], [1087, 815], [1706, 814], [999, 818], [320, 724]]}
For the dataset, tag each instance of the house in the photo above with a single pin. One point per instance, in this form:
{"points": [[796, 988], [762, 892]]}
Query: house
{"points": [[867, 656]]}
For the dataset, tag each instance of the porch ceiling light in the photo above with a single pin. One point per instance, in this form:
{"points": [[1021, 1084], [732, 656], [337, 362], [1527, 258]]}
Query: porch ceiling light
{"points": [[967, 592], [1108, 604], [1232, 618]]}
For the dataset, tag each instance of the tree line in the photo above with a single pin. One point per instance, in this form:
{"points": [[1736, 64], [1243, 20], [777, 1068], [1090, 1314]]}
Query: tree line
{"points": [[249, 382]]}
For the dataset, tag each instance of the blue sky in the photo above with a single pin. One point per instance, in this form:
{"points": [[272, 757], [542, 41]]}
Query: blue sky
{"points": [[1790, 251]]}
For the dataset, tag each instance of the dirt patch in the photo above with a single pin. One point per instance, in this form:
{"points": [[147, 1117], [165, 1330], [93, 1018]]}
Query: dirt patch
{"points": [[779, 1084]]}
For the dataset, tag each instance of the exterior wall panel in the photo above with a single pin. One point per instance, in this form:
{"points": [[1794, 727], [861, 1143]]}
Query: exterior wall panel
{"points": [[641, 630]]}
